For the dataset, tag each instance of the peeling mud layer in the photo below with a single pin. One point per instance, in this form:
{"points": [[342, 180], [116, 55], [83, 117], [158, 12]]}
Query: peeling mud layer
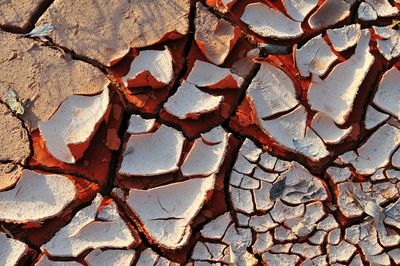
{"points": [[187, 132]]}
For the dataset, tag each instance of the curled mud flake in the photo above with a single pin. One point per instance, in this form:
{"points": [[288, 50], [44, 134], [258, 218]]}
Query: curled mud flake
{"points": [[14, 141], [388, 95], [335, 94], [269, 22], [166, 215], [272, 91], [189, 101], [389, 45], [44, 77], [91, 228], [215, 37], [383, 8], [73, 125], [214, 136], [139, 125], [366, 12], [373, 118], [290, 130], [376, 152], [11, 250], [345, 37], [315, 57], [298, 10], [36, 197], [329, 13], [115, 257], [152, 153], [110, 28], [151, 68], [385, 32], [327, 130], [204, 159], [204, 74]]}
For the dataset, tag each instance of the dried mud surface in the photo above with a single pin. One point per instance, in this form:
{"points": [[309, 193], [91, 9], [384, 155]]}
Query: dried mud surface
{"points": [[187, 132]]}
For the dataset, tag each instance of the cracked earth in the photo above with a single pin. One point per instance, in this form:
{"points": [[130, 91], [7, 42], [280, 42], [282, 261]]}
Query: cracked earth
{"points": [[217, 132]]}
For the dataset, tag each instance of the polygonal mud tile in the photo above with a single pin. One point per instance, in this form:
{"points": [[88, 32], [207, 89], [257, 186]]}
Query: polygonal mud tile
{"points": [[123, 25]]}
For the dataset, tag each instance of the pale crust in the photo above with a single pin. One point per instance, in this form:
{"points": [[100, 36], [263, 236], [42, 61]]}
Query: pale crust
{"points": [[215, 37], [109, 28], [166, 214], [11, 250], [36, 197], [44, 76], [74, 123]]}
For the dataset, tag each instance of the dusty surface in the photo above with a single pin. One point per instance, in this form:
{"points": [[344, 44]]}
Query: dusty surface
{"points": [[200, 132], [43, 76], [14, 140], [19, 14], [110, 28]]}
